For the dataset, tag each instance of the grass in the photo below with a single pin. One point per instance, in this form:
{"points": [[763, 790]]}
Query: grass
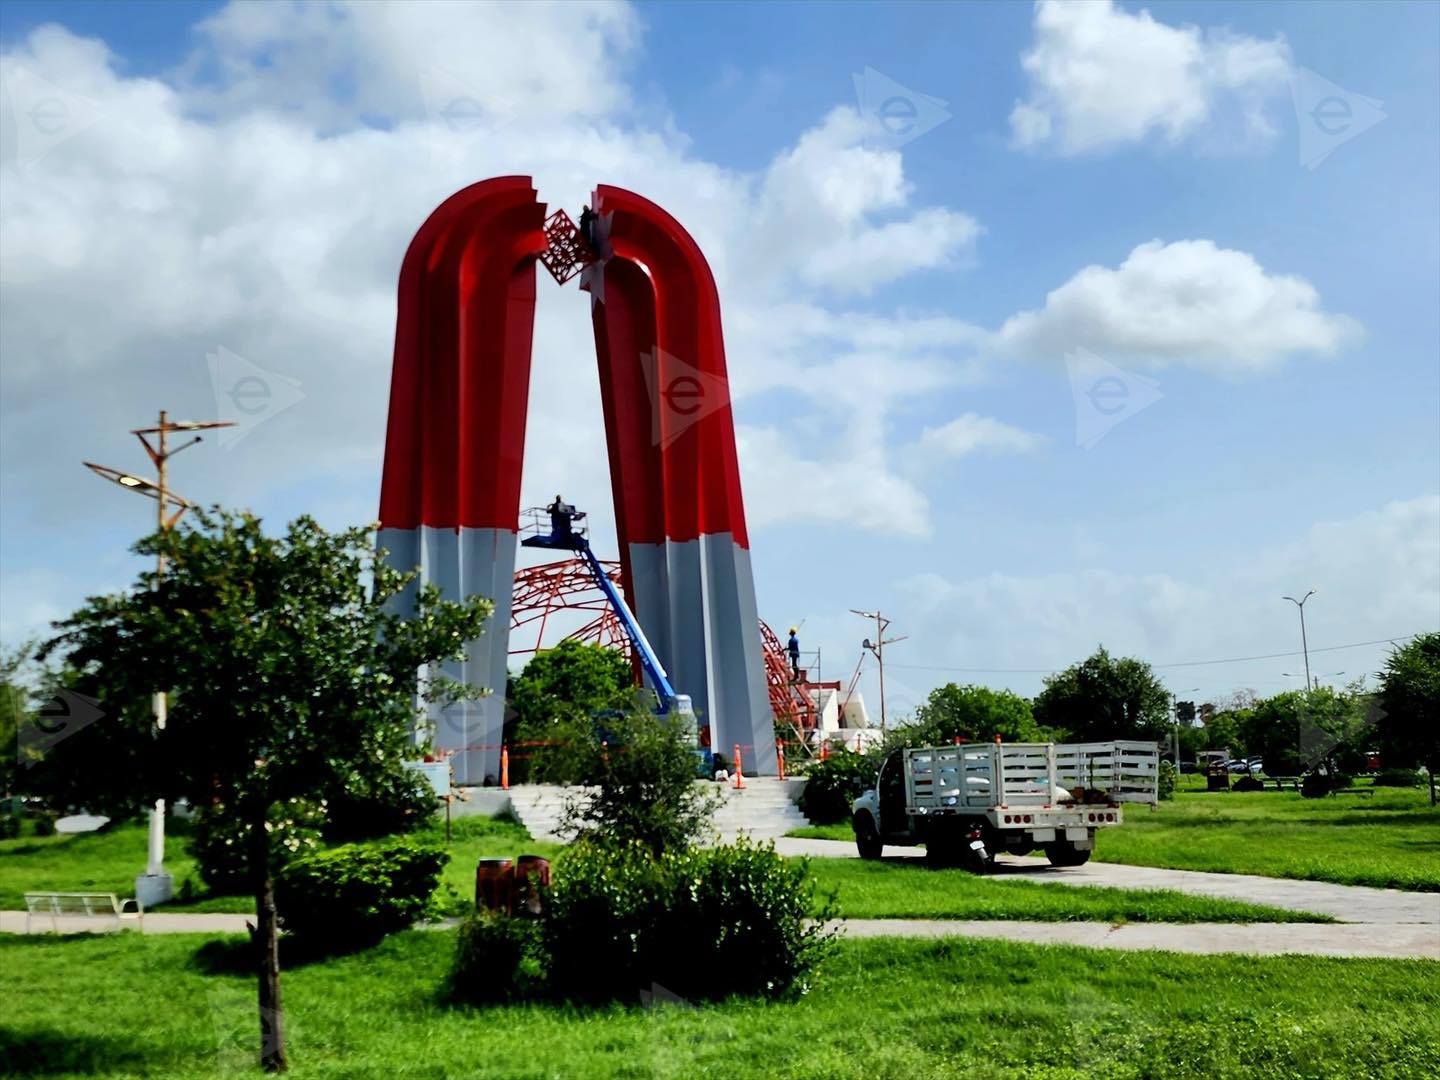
{"points": [[108, 861], [125, 1006], [1385, 837], [908, 889]]}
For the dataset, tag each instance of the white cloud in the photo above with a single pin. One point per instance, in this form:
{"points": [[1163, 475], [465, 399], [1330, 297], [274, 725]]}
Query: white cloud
{"points": [[1376, 575], [261, 202], [1102, 77], [1188, 302], [971, 433]]}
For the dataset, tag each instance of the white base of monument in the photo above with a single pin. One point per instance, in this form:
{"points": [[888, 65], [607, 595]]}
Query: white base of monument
{"points": [[152, 889]]}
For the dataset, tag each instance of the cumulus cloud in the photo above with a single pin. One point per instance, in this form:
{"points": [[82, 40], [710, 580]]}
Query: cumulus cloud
{"points": [[1375, 575], [971, 433], [1102, 77], [261, 198], [1187, 302]]}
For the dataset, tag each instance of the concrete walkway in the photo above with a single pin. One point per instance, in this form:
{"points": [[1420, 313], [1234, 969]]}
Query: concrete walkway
{"points": [[1348, 903]]}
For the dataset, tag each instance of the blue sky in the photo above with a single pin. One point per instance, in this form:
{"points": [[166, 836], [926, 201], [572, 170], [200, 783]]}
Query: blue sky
{"points": [[906, 322]]}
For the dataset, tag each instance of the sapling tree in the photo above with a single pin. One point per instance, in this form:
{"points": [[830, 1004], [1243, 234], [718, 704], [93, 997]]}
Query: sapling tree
{"points": [[293, 664]]}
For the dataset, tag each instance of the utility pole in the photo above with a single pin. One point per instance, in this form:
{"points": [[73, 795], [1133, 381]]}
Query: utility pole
{"points": [[878, 648], [155, 885], [1304, 645]]}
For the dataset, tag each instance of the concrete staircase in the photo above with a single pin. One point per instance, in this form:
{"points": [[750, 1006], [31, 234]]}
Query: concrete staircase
{"points": [[764, 809]]}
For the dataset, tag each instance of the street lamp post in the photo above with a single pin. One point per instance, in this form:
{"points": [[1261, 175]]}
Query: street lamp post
{"points": [[1304, 645], [155, 885], [878, 648]]}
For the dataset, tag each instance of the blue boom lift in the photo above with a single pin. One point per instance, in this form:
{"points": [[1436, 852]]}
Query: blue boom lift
{"points": [[567, 534]]}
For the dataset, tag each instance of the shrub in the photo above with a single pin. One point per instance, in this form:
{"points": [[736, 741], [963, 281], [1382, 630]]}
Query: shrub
{"points": [[737, 922], [1318, 785], [369, 807], [1165, 784], [831, 785], [645, 788], [1397, 778], [598, 920], [9, 825], [1248, 783], [220, 847], [45, 823], [355, 894], [703, 923], [497, 958]]}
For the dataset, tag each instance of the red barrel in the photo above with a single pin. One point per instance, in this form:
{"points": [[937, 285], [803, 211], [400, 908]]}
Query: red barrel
{"points": [[495, 884], [532, 873]]}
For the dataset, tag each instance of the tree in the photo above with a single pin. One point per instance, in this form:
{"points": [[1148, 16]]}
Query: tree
{"points": [[289, 671], [642, 768], [1105, 698], [1409, 715], [1298, 731], [972, 713], [552, 705]]}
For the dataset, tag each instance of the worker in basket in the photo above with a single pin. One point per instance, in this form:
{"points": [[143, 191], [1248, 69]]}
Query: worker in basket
{"points": [[793, 648], [562, 519]]}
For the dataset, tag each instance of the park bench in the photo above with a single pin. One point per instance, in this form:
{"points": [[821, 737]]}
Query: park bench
{"points": [[1282, 782], [82, 905]]}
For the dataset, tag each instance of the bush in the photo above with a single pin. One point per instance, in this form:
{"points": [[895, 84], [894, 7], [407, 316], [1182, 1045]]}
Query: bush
{"points": [[219, 841], [1165, 785], [353, 895], [1318, 785], [737, 922], [731, 919], [370, 807], [498, 958], [599, 918], [1248, 783], [45, 823], [832, 785], [1398, 778], [9, 825], [645, 787]]}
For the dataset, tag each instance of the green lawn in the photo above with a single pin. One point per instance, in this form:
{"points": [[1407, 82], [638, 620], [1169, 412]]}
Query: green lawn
{"points": [[1388, 837], [132, 1006], [108, 861], [908, 889]]}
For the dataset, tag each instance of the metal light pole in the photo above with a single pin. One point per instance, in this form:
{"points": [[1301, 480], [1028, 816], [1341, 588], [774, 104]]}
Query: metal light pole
{"points": [[155, 886], [878, 648], [1304, 645]]}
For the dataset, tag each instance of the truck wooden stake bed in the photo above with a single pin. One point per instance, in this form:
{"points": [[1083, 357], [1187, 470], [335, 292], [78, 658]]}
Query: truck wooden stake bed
{"points": [[969, 802]]}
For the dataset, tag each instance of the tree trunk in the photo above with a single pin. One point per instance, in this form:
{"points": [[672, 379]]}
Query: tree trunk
{"points": [[1431, 771], [266, 939]]}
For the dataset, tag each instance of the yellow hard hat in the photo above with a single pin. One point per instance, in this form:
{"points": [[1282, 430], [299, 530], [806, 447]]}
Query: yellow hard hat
{"points": [[794, 629]]}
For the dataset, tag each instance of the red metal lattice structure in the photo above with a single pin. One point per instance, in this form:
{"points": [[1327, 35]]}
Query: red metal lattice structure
{"points": [[543, 593], [568, 253]]}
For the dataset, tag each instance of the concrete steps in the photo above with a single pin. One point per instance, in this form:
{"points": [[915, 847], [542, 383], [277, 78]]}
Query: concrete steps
{"points": [[764, 809]]}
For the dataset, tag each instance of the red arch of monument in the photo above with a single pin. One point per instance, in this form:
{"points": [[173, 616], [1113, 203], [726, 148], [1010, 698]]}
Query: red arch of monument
{"points": [[450, 487]]}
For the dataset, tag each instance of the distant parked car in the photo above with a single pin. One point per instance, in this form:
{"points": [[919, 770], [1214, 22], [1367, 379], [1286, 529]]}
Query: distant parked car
{"points": [[1243, 765]]}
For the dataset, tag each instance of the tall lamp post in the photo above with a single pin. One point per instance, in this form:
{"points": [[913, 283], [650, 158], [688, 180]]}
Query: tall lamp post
{"points": [[155, 885], [878, 648], [1304, 645]]}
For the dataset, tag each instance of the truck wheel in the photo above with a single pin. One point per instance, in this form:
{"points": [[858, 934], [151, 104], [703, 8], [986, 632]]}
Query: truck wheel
{"points": [[867, 840], [1064, 853]]}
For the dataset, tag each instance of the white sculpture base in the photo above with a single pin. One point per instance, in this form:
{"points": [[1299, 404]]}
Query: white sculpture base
{"points": [[152, 889]]}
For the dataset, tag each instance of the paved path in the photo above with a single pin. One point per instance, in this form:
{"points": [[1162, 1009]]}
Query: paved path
{"points": [[1348, 903]]}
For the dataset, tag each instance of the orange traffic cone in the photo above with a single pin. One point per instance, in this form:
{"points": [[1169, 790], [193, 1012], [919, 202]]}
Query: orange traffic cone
{"points": [[739, 775], [780, 757], [504, 767]]}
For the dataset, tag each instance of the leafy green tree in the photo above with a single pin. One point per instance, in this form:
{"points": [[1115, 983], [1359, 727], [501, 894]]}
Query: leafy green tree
{"points": [[972, 713], [1409, 717], [1298, 731], [1106, 698], [552, 705], [1222, 731], [291, 671], [642, 769]]}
